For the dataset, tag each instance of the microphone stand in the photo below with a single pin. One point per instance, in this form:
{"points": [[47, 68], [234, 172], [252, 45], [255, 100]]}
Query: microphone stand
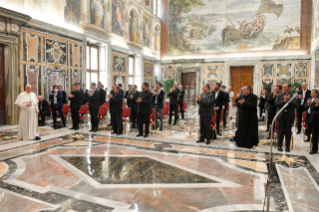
{"points": [[270, 159]]}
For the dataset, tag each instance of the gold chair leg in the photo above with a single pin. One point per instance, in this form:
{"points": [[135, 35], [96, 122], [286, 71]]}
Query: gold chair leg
{"points": [[310, 142]]}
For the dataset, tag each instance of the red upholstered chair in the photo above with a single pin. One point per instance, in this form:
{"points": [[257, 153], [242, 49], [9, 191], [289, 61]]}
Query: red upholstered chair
{"points": [[66, 112], [213, 126], [166, 104], [304, 124], [152, 120], [83, 113], [126, 117], [102, 115], [275, 136], [185, 108]]}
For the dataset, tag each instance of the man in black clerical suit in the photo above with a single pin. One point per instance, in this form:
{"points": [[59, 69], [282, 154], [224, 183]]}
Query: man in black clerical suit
{"points": [[94, 105], [121, 89], [271, 108], [76, 100], [286, 118], [128, 96], [181, 100], [314, 122], [247, 131], [225, 104], [102, 93], [206, 111], [173, 103], [144, 110], [308, 109], [218, 104], [85, 94], [44, 110], [304, 96], [134, 106], [116, 109], [64, 98], [158, 103]]}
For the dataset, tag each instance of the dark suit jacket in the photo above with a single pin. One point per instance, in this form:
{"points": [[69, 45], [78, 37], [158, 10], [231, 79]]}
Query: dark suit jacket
{"points": [[160, 98], [226, 99], [85, 96], [279, 103], [220, 99], [65, 98], [146, 104], [45, 107], [300, 107], [102, 96], [271, 108], [181, 97], [206, 105], [94, 100], [174, 96], [59, 99], [121, 91], [134, 104], [116, 103], [76, 101], [128, 97]]}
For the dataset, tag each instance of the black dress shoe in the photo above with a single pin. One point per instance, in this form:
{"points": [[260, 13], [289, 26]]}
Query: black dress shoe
{"points": [[219, 134], [208, 142], [92, 130], [287, 150], [161, 129], [37, 138], [280, 149], [200, 141], [146, 135], [298, 132], [114, 132], [95, 130], [76, 129], [73, 128], [313, 152], [307, 140], [268, 137], [120, 133], [139, 135]]}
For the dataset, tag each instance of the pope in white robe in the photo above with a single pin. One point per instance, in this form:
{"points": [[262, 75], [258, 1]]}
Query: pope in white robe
{"points": [[28, 121]]}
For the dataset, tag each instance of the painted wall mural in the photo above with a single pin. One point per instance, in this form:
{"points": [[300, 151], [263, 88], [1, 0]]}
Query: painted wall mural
{"points": [[315, 19], [56, 52], [147, 32], [212, 73], [31, 47], [119, 69], [118, 17], [134, 27], [168, 72], [72, 12], [148, 72], [233, 26], [32, 76], [317, 71], [75, 55], [55, 76]]}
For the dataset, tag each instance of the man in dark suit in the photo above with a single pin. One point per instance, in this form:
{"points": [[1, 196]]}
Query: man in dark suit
{"points": [[218, 104], [304, 96], [116, 109], [145, 110], [56, 105], [225, 104], [121, 89], [286, 118], [158, 102], [181, 100], [271, 108], [308, 109], [173, 103], [64, 98], [94, 106], [206, 111], [314, 121], [85, 94], [75, 104], [43, 110], [128, 96], [134, 106], [102, 93]]}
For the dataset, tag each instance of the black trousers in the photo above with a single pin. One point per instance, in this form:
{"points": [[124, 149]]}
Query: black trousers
{"points": [[171, 108], [300, 112], [42, 115], [94, 118], [205, 130], [261, 110], [117, 122], [54, 109], [315, 133], [75, 113], [217, 120], [181, 106], [270, 119], [143, 118], [224, 116], [134, 117], [284, 129]]}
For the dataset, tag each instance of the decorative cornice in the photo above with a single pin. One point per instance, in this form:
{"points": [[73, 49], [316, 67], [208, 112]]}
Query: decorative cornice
{"points": [[16, 18]]}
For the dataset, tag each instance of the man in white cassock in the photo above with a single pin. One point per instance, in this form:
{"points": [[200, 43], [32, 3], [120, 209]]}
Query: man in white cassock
{"points": [[28, 121]]}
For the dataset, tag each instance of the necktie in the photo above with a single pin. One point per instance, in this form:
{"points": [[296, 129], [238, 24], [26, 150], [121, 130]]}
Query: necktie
{"points": [[40, 105]]}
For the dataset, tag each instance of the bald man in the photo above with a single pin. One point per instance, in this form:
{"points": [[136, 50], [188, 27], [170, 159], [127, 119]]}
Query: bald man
{"points": [[28, 123]]}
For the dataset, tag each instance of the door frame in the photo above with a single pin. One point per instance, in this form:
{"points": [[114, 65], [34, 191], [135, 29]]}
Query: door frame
{"points": [[256, 73], [190, 70]]}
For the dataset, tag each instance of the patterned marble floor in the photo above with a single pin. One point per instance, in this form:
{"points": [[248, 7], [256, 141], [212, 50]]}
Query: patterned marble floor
{"points": [[166, 172]]}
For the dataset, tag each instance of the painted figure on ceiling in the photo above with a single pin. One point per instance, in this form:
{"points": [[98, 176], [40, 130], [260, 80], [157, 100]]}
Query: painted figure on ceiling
{"points": [[97, 10], [134, 28], [147, 33], [118, 17], [157, 38]]}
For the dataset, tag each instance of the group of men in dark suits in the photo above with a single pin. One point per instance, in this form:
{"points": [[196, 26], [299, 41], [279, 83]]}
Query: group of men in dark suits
{"points": [[176, 101]]}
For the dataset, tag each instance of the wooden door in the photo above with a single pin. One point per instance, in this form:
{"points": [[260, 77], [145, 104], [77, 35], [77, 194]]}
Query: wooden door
{"points": [[189, 85], [2, 88], [241, 76]]}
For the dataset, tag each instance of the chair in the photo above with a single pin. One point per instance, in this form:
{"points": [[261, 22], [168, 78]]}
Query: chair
{"points": [[213, 126], [83, 113], [185, 108], [296, 120], [274, 140], [166, 104], [165, 115], [152, 121], [126, 116], [66, 112], [304, 124], [102, 115]]}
